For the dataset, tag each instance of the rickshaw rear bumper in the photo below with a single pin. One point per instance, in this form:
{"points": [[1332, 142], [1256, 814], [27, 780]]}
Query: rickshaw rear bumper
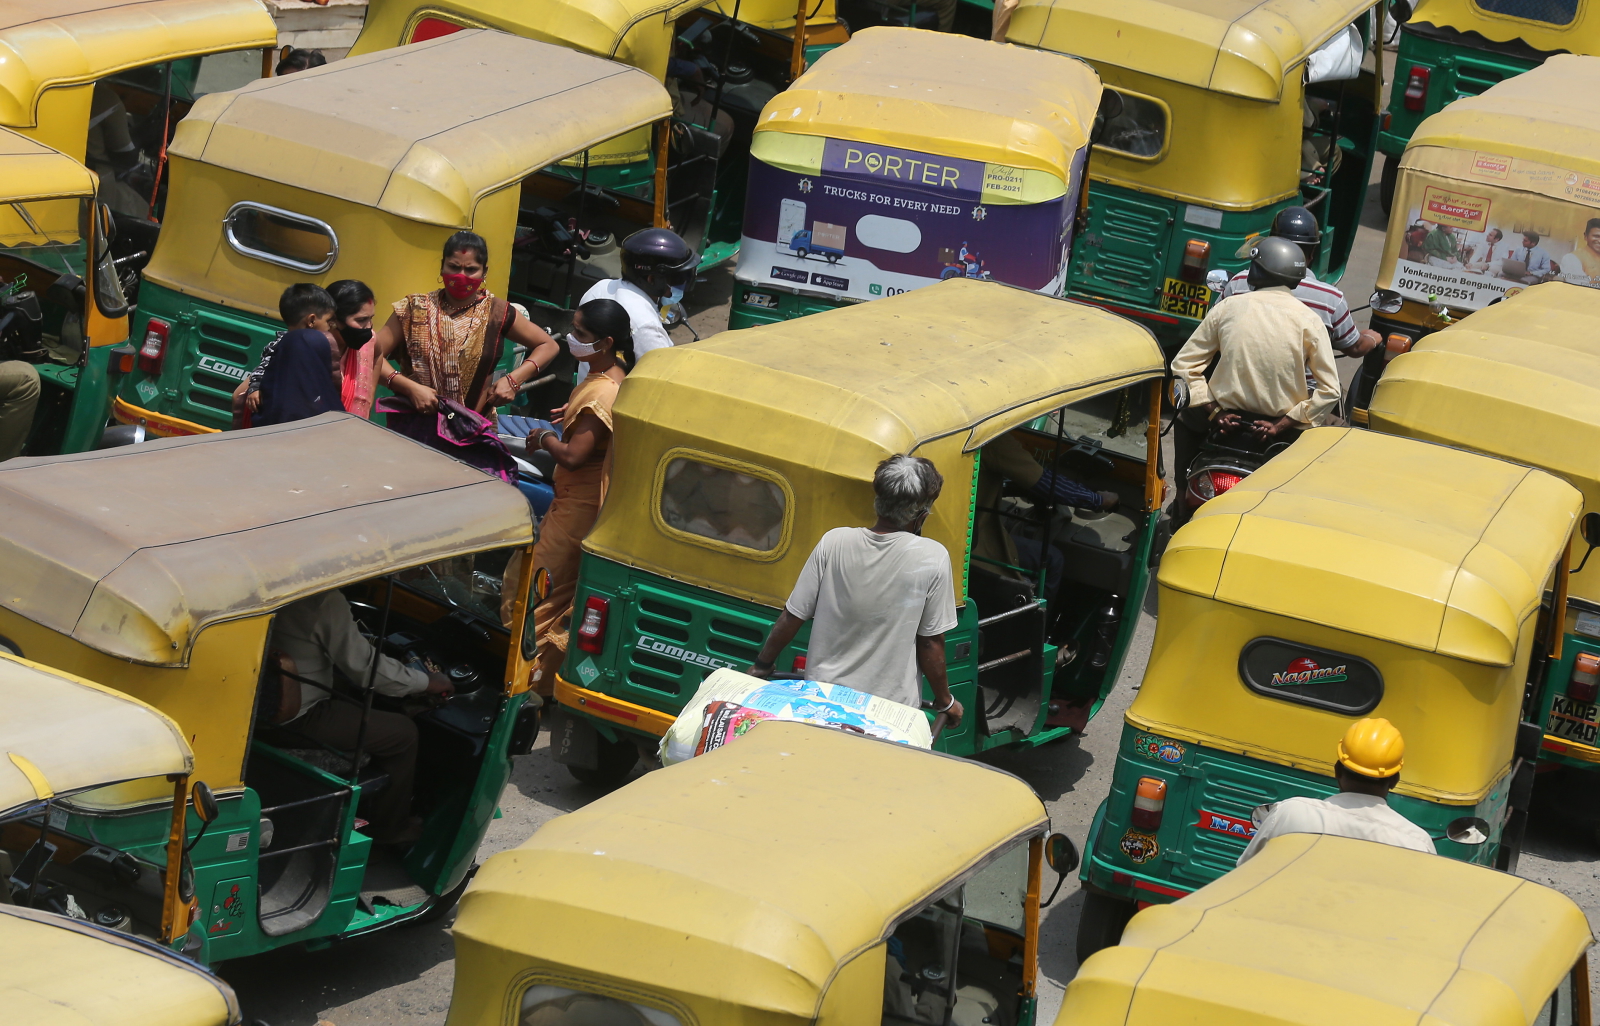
{"points": [[613, 711], [1099, 875]]}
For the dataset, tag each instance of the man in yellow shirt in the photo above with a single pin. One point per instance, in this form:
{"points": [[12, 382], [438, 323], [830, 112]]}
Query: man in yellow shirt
{"points": [[1263, 342]]}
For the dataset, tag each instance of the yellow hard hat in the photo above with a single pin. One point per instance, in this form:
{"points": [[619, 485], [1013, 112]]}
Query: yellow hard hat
{"points": [[1372, 747]]}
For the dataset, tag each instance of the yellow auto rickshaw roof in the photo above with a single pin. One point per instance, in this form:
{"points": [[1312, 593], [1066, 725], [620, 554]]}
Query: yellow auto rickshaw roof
{"points": [[30, 170], [56, 971], [62, 734], [48, 43], [746, 875], [1421, 545], [1578, 36], [1542, 115], [777, 14], [947, 94], [1318, 929], [1242, 47], [422, 131], [133, 551]]}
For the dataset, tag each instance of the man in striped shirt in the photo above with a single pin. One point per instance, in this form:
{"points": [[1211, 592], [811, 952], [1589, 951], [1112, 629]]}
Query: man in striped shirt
{"points": [[1299, 225]]}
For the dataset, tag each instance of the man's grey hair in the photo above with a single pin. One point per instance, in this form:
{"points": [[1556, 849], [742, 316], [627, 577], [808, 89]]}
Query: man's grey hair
{"points": [[904, 487]]}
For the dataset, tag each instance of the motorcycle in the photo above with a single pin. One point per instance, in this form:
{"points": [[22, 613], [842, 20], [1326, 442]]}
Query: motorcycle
{"points": [[1233, 450]]}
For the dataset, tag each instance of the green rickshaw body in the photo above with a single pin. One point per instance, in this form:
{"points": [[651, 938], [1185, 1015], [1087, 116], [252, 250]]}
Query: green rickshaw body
{"points": [[1330, 589], [746, 448]]}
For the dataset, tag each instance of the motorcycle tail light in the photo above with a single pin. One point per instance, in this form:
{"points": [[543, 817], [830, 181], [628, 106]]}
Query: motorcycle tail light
{"points": [[1396, 344], [154, 350], [1149, 799], [1221, 481], [592, 629], [1585, 686], [1416, 87], [1196, 261], [799, 665]]}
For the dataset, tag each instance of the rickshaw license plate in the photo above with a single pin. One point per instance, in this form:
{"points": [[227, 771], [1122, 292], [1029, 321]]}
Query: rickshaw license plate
{"points": [[1185, 298], [1574, 721]]}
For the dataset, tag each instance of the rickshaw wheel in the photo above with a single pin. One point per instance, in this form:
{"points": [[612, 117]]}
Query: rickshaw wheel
{"points": [[613, 762], [1101, 923], [1386, 182]]}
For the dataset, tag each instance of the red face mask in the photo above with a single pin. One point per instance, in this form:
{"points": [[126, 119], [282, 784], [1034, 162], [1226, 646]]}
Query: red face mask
{"points": [[461, 286]]}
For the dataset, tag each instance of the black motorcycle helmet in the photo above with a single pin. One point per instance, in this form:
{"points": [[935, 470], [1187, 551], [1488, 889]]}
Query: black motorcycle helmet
{"points": [[657, 260], [1276, 261], [1299, 225]]}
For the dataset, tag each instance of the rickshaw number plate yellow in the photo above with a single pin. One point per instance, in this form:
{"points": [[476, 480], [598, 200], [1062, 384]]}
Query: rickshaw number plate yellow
{"points": [[1573, 721], [1185, 298]]}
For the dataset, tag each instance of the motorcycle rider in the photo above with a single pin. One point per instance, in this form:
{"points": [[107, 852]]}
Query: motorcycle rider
{"points": [[1263, 342], [657, 268], [1299, 225]]}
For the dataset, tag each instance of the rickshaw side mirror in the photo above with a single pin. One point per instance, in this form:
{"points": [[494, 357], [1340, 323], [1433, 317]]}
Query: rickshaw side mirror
{"points": [[108, 223], [541, 584], [1467, 830], [1589, 527], [1061, 854], [205, 803], [1400, 11], [1386, 302], [1180, 394]]}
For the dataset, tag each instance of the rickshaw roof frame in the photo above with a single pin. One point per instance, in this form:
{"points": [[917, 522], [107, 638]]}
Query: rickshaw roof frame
{"points": [[762, 867], [56, 971], [423, 131], [134, 551], [49, 43], [1240, 47], [31, 171], [1537, 115], [1420, 545], [1317, 928], [114, 737], [1009, 105], [1466, 16]]}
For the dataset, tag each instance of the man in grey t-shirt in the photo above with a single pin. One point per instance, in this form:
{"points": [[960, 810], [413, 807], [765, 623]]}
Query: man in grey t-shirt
{"points": [[881, 597]]}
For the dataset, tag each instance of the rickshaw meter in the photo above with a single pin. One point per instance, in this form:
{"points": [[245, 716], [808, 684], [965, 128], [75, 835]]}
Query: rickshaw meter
{"points": [[1149, 798]]}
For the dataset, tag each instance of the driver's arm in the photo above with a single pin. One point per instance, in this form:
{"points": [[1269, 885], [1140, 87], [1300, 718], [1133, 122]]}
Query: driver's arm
{"points": [[352, 654]]}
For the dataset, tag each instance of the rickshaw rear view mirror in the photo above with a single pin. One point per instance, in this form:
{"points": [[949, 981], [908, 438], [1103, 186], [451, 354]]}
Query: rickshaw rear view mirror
{"points": [[1589, 527], [1180, 394], [1467, 830], [108, 223], [541, 584], [1400, 11], [1216, 280], [1386, 302], [1061, 854], [205, 803]]}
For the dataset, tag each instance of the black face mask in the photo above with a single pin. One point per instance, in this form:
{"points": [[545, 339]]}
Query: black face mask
{"points": [[355, 338]]}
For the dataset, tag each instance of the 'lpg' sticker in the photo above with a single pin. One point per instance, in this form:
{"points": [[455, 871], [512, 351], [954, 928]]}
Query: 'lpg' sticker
{"points": [[1140, 848], [147, 391], [587, 671], [1158, 748]]}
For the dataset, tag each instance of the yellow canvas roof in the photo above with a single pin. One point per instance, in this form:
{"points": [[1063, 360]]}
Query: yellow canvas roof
{"points": [[31, 170], [1578, 36], [113, 737], [134, 551], [1421, 545], [1319, 929], [896, 86], [1541, 115], [1242, 47], [746, 875], [778, 14], [47, 43], [423, 131], [56, 971]]}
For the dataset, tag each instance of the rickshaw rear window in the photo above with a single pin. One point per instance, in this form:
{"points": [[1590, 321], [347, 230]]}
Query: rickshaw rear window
{"points": [[544, 1005], [723, 504], [1140, 130], [1551, 12], [281, 237], [1294, 672]]}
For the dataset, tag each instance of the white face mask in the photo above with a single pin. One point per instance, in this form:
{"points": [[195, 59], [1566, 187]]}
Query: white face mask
{"points": [[581, 350], [673, 297]]}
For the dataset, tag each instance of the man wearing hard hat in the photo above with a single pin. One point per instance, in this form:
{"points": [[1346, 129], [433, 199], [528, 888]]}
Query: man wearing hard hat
{"points": [[1370, 755]]}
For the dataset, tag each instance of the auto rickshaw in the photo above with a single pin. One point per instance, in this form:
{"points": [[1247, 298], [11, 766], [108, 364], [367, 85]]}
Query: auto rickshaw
{"points": [[112, 962], [788, 877], [1317, 929], [1517, 381], [1450, 49], [254, 208], [1355, 574], [63, 311], [156, 569], [1497, 192], [1231, 111], [906, 157], [747, 447], [740, 55]]}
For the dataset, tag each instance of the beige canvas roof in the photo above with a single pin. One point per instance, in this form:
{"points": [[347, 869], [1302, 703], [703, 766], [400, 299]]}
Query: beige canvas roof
{"points": [[133, 551], [61, 734], [423, 131]]}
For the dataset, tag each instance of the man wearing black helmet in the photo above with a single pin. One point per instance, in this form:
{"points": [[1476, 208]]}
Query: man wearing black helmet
{"points": [[1299, 225], [657, 267], [1263, 341]]}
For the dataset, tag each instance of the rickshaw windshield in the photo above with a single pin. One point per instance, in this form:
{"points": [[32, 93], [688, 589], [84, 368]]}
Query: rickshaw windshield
{"points": [[43, 232], [1116, 420], [469, 583]]}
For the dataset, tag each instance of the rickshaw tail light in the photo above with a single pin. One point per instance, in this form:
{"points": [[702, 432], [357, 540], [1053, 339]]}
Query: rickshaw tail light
{"points": [[1196, 261], [799, 664], [154, 350], [1396, 344], [1416, 87], [592, 631], [1585, 686], [1149, 799]]}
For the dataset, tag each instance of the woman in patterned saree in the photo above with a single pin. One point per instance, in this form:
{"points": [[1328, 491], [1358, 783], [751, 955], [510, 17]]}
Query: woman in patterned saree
{"points": [[448, 341]]}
